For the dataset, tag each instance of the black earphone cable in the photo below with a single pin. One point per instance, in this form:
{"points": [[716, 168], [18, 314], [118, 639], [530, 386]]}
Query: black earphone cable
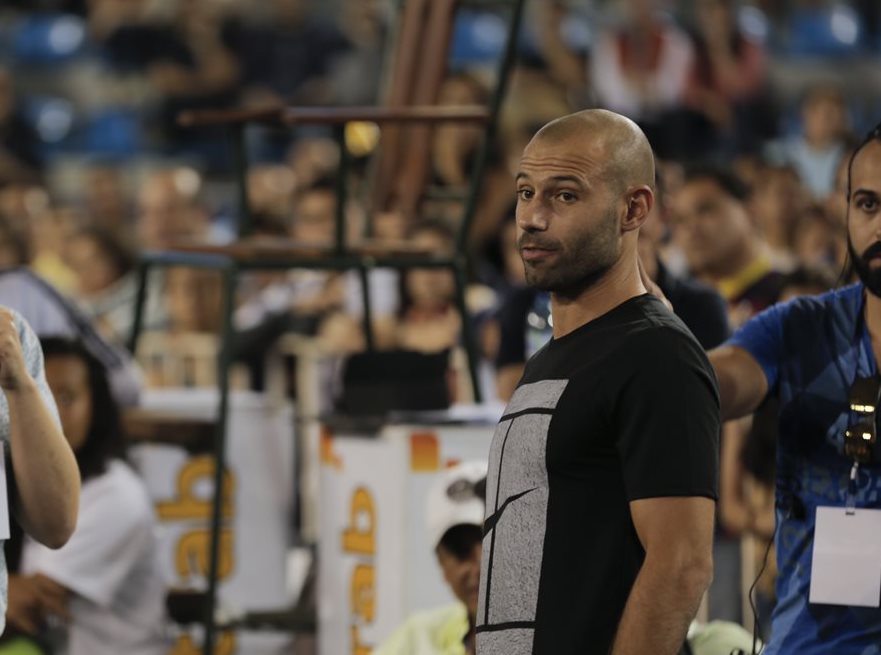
{"points": [[757, 627]]}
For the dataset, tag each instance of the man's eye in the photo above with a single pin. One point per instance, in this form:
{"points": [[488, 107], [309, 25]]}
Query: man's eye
{"points": [[868, 204], [566, 196], [524, 194]]}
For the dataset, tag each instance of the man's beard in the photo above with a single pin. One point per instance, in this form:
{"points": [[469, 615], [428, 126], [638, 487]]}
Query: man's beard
{"points": [[581, 264], [870, 277]]}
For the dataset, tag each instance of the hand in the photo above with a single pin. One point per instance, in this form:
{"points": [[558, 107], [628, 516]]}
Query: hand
{"points": [[13, 370], [31, 599], [23, 610], [651, 287]]}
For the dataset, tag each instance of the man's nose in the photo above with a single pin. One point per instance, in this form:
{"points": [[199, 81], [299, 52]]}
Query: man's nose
{"points": [[534, 218]]}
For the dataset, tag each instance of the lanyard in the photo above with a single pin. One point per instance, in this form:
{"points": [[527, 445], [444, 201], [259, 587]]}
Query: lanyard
{"points": [[851, 500]]}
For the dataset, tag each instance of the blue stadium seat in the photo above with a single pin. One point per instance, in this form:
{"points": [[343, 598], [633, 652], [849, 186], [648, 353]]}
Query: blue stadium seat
{"points": [[43, 39], [112, 132], [54, 120], [833, 31], [478, 39]]}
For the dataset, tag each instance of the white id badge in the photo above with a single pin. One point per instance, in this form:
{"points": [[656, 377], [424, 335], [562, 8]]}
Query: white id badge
{"points": [[4, 501], [846, 567]]}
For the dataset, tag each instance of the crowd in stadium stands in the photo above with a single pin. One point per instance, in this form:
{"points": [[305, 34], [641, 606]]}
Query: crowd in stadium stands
{"points": [[752, 108]]}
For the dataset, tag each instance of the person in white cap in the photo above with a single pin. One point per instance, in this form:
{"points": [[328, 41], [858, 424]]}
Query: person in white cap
{"points": [[454, 513]]}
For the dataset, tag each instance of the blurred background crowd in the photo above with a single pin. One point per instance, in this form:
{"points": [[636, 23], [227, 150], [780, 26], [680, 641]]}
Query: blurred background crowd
{"points": [[751, 107]]}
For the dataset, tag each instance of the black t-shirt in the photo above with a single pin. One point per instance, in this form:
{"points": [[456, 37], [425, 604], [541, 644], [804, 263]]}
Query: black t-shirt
{"points": [[623, 408]]}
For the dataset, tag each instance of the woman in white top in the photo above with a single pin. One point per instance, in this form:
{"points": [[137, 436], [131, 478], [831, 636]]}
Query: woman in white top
{"points": [[105, 581]]}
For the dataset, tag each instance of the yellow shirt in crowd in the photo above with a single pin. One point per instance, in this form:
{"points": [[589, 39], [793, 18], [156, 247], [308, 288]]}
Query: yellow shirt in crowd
{"points": [[435, 632]]}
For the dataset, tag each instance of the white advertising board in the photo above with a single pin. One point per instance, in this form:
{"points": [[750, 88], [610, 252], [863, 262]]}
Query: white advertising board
{"points": [[375, 563], [257, 509]]}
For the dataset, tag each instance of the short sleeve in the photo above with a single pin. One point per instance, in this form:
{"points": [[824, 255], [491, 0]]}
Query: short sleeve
{"points": [[113, 533], [666, 419], [762, 337]]}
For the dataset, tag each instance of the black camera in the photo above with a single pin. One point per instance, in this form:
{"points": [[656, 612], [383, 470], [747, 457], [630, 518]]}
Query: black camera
{"points": [[860, 436]]}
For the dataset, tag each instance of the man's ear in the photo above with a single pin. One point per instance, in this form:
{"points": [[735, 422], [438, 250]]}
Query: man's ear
{"points": [[640, 201]]}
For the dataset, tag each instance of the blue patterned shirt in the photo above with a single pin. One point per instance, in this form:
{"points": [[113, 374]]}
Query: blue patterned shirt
{"points": [[811, 350]]}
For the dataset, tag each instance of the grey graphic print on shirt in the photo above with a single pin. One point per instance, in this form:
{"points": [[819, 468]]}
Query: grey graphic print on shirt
{"points": [[516, 510]]}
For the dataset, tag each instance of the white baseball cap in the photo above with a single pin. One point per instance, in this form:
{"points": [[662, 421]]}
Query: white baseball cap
{"points": [[453, 500]]}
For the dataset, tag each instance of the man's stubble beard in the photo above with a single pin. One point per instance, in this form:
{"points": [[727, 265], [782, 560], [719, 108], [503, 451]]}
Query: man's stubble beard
{"points": [[870, 278], [582, 263]]}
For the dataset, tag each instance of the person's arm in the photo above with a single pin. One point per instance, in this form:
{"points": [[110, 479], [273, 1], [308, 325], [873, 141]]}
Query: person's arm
{"points": [[743, 383], [677, 534], [46, 473]]}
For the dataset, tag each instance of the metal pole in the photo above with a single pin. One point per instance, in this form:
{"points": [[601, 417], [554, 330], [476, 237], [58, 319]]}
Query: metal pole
{"points": [[140, 300], [469, 338], [341, 189], [224, 361], [363, 274], [240, 165], [489, 135]]}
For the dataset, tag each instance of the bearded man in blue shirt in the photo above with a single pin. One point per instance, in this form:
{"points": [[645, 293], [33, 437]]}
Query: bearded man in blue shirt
{"points": [[818, 356]]}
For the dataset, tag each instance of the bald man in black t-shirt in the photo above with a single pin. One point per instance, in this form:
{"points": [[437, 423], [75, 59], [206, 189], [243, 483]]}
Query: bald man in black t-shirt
{"points": [[604, 469]]}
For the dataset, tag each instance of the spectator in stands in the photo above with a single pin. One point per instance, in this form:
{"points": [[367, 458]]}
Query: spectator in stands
{"points": [[313, 159], [194, 300], [184, 55], [105, 198], [454, 513], [452, 151], [727, 76], [454, 144], [19, 203], [105, 288], [567, 66], [39, 231], [824, 138], [313, 222], [297, 300], [777, 198], [721, 244], [820, 241], [271, 192], [50, 232], [641, 68], [106, 579], [354, 73], [285, 59], [106, 16], [15, 249], [428, 320], [170, 209], [20, 159]]}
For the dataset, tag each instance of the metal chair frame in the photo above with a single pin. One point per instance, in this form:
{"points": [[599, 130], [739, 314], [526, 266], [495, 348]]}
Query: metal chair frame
{"points": [[247, 255]]}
